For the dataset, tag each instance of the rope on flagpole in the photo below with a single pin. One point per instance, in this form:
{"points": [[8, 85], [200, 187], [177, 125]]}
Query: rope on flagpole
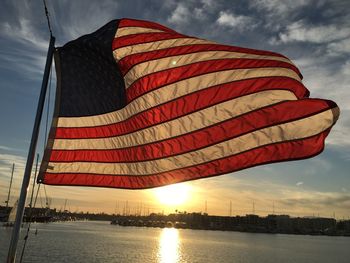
{"points": [[47, 17], [47, 111]]}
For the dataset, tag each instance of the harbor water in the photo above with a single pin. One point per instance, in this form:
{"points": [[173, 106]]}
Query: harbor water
{"points": [[90, 241]]}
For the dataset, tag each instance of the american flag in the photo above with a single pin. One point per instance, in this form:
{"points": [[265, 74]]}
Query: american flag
{"points": [[139, 105]]}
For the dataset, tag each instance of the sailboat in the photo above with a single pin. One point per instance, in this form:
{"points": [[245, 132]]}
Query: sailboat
{"points": [[12, 216], [5, 210]]}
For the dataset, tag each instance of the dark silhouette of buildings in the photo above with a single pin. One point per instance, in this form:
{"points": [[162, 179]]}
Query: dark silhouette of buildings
{"points": [[283, 224]]}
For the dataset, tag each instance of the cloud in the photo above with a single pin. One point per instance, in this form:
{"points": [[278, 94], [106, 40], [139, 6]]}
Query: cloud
{"points": [[24, 33], [26, 44], [8, 159], [209, 4], [2, 147], [299, 183], [303, 32], [330, 200], [278, 7], [181, 15], [69, 19], [339, 48], [199, 13], [242, 191], [239, 22], [276, 13]]}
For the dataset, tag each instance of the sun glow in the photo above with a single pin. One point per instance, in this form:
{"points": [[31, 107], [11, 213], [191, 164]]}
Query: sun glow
{"points": [[172, 195]]}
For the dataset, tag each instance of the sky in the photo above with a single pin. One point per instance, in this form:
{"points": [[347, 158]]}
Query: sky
{"points": [[315, 35]]}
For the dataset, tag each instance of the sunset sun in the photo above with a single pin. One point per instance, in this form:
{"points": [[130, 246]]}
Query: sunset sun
{"points": [[172, 195]]}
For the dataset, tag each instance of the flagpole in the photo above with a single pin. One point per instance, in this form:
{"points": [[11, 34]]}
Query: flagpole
{"points": [[30, 158]]}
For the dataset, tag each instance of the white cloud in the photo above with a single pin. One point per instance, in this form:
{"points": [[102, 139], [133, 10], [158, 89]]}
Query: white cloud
{"points": [[26, 47], [211, 4], [30, 63], [27, 41], [8, 159], [345, 70], [324, 83], [339, 48], [321, 200], [278, 7], [199, 13], [181, 15], [300, 31], [2, 147], [24, 32], [239, 22], [288, 199], [299, 183]]}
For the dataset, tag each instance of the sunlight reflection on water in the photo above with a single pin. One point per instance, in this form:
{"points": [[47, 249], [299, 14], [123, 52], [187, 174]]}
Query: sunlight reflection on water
{"points": [[169, 246]]}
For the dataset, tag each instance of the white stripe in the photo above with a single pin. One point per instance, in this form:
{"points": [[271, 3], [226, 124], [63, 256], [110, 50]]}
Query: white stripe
{"points": [[156, 45], [148, 67], [124, 31]]}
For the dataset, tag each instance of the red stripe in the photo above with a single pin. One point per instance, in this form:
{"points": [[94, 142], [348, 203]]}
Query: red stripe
{"points": [[269, 116], [141, 23], [129, 61], [143, 38], [161, 78], [285, 151], [182, 106]]}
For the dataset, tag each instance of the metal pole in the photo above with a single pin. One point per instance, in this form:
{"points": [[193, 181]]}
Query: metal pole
{"points": [[26, 178], [8, 195]]}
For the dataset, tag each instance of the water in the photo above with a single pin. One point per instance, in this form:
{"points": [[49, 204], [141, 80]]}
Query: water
{"points": [[102, 242]]}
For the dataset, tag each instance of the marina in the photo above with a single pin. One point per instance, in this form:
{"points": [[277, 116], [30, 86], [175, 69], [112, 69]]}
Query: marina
{"points": [[92, 241]]}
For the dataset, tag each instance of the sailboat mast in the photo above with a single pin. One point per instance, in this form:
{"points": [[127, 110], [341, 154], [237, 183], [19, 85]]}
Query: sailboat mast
{"points": [[9, 193], [31, 154], [65, 204]]}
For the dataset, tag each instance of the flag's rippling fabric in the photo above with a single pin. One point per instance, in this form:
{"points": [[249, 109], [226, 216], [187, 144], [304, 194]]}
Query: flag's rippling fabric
{"points": [[139, 105]]}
